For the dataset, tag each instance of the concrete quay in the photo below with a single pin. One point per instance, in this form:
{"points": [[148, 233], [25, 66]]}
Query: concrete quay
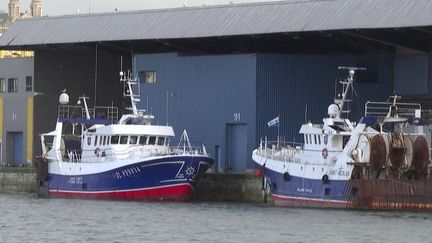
{"points": [[215, 187]]}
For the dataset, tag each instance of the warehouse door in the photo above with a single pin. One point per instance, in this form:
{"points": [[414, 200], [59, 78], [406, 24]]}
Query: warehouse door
{"points": [[17, 148], [236, 147]]}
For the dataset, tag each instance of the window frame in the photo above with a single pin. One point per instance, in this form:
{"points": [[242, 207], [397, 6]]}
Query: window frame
{"points": [[29, 88], [147, 76], [3, 85], [15, 85]]}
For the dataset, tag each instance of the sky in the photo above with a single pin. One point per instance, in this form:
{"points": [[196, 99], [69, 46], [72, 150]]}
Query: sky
{"points": [[61, 7]]}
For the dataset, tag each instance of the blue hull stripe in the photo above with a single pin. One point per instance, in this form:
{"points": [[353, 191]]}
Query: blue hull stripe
{"points": [[306, 189], [149, 174]]}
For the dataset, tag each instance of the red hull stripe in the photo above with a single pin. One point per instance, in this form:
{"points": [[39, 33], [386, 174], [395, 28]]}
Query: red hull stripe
{"points": [[307, 202], [179, 192]]}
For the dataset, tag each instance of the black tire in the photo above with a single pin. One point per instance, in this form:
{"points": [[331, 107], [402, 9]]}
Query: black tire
{"points": [[286, 176], [325, 179]]}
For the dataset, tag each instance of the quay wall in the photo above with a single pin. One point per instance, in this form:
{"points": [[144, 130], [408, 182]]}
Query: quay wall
{"points": [[18, 179], [230, 188], [212, 187]]}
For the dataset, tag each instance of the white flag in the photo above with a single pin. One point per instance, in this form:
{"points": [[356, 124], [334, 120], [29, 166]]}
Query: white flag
{"points": [[274, 122]]}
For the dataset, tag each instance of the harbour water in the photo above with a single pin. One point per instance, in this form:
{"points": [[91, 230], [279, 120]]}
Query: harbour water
{"points": [[26, 218]]}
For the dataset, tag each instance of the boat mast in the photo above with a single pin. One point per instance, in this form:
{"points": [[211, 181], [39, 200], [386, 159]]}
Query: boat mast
{"points": [[347, 84], [127, 79]]}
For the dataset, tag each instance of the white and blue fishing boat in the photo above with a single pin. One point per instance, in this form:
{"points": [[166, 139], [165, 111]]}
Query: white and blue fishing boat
{"points": [[92, 154], [380, 162]]}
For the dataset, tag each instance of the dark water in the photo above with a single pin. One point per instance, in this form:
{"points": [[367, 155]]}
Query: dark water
{"points": [[25, 218]]}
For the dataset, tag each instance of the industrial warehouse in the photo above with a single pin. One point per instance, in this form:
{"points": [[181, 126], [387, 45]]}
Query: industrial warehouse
{"points": [[222, 72]]}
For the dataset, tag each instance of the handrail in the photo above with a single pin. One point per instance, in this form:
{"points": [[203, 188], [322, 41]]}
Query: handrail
{"points": [[98, 112], [111, 154], [383, 108]]}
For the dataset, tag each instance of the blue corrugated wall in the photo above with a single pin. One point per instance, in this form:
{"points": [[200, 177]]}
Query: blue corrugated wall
{"points": [[286, 84], [204, 92]]}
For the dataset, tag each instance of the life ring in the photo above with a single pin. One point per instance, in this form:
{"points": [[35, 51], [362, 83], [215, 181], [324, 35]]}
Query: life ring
{"points": [[325, 178], [286, 176], [97, 152], [324, 153]]}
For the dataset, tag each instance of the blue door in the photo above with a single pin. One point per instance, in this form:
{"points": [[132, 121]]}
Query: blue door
{"points": [[237, 155], [18, 149]]}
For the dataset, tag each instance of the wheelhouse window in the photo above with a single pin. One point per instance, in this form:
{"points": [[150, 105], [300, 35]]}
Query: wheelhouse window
{"points": [[319, 139], [114, 139], [147, 77], [152, 140], [29, 84], [161, 141], [95, 141], [13, 85], [306, 139], [142, 140], [123, 139], [2, 85], [133, 139]]}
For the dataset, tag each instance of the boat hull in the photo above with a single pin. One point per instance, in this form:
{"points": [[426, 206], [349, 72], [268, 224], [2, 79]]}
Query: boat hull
{"points": [[171, 178], [382, 194], [303, 192]]}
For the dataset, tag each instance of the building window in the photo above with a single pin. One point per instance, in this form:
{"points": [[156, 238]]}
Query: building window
{"points": [[2, 85], [12, 85], [29, 84], [148, 77]]}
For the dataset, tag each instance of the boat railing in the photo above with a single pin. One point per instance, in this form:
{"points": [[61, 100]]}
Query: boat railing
{"points": [[189, 150], [88, 156], [278, 145], [70, 112], [384, 109], [136, 151], [280, 150]]}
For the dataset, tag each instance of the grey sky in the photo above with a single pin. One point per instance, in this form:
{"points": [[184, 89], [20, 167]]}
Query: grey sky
{"points": [[59, 7]]}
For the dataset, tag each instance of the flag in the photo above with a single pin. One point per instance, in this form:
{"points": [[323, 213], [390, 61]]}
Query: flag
{"points": [[274, 122]]}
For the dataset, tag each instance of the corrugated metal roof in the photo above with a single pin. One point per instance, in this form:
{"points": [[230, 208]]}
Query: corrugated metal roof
{"points": [[223, 20]]}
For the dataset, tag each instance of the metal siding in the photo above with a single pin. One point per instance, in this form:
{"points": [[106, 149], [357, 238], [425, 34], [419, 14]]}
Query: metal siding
{"points": [[204, 92], [223, 20], [287, 83], [411, 75]]}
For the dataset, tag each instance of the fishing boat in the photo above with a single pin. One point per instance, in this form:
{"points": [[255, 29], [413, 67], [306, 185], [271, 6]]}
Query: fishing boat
{"points": [[92, 154], [380, 162]]}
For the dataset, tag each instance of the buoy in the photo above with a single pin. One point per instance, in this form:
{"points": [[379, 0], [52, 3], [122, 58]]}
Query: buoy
{"points": [[324, 153], [258, 172]]}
